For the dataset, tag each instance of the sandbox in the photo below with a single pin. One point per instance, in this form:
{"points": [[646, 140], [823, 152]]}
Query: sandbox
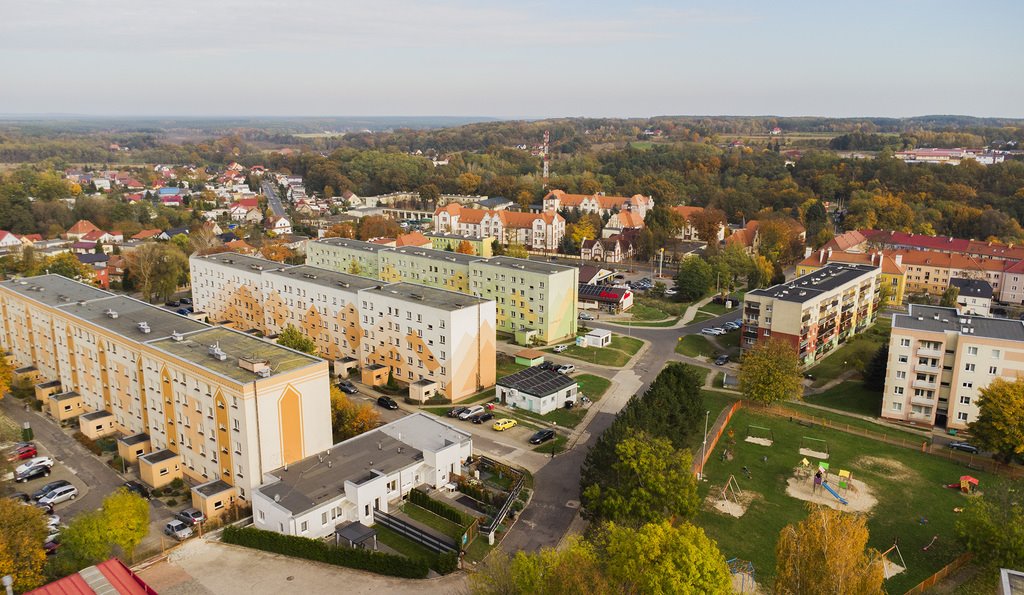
{"points": [[859, 497]]}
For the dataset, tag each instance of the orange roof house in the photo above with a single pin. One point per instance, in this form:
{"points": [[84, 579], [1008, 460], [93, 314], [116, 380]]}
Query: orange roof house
{"points": [[414, 238]]}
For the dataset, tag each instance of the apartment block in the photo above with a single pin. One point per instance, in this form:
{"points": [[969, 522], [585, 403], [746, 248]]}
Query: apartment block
{"points": [[212, 404], [535, 300], [940, 359], [814, 313], [351, 318], [233, 294]]}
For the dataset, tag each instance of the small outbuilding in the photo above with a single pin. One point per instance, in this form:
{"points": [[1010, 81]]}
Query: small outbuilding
{"points": [[529, 357], [537, 390], [356, 536], [598, 337]]}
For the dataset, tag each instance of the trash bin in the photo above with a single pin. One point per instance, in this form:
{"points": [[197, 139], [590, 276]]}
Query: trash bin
{"points": [[26, 432], [952, 431]]}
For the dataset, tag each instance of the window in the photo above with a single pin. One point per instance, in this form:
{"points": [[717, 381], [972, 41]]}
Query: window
{"points": [[902, 359], [995, 354], [304, 526], [902, 375], [969, 367], [323, 518], [965, 400], [968, 385], [896, 406], [904, 342], [898, 390], [992, 370], [263, 516], [961, 416], [972, 351]]}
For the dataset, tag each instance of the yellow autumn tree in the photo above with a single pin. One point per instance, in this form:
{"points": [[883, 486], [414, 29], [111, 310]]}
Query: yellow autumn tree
{"points": [[827, 553], [349, 418], [466, 248], [22, 533]]}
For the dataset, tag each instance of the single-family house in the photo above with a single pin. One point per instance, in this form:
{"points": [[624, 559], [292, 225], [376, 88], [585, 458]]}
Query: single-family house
{"points": [[538, 390]]}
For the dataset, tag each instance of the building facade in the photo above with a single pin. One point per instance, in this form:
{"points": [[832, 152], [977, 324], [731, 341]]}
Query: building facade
{"points": [[940, 359], [814, 313], [535, 300], [536, 231], [221, 405]]}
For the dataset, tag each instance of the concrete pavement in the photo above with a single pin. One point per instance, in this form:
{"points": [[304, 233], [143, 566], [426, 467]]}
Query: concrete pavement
{"points": [[273, 200]]}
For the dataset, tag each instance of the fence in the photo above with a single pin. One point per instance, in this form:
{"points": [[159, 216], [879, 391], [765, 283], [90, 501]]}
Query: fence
{"points": [[943, 572], [414, 533], [714, 434], [513, 493]]}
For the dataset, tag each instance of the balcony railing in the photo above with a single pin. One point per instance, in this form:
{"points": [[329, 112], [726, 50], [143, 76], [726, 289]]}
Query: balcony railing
{"points": [[927, 368], [927, 352], [924, 384]]}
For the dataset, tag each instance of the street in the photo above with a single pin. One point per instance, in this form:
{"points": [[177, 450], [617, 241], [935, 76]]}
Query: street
{"points": [[273, 199]]}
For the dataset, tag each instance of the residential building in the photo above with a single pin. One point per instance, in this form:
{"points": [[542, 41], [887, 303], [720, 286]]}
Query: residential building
{"points": [[949, 156], [814, 313], [893, 271], [278, 225], [611, 249], [597, 203], [107, 578], [898, 240], [931, 272], [974, 297], [535, 299], [621, 222], [541, 232], [351, 480], [219, 407], [450, 242], [355, 321], [688, 232], [537, 390], [939, 361]]}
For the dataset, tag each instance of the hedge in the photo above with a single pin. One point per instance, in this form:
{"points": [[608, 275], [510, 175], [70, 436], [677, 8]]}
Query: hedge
{"points": [[439, 508], [319, 551]]}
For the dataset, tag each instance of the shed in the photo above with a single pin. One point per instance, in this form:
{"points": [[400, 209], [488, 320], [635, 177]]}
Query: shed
{"points": [[529, 357], [356, 535], [598, 337], [538, 390]]}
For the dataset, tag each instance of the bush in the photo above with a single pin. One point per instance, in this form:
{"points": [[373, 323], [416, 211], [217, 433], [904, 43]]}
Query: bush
{"points": [[524, 494], [319, 551], [475, 492], [439, 508], [117, 463], [517, 505], [178, 484], [88, 443], [172, 502], [446, 563]]}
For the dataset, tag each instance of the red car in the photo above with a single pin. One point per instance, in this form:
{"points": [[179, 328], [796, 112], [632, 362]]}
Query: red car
{"points": [[24, 451]]}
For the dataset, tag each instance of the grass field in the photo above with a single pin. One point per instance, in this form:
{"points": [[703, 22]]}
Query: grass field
{"points": [[403, 545], [858, 349], [618, 353], [592, 386], [856, 422], [644, 313], [849, 396], [906, 483], [507, 366], [694, 346], [441, 524]]}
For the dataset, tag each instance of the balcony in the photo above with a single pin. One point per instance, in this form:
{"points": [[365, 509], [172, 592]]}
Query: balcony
{"points": [[926, 352], [927, 368], [923, 401], [924, 384]]}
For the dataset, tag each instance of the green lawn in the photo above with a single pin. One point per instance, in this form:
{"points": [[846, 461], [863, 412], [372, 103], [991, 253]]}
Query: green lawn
{"points": [[642, 312], [507, 366], [907, 484], [558, 444], [565, 418], [660, 324], [719, 309], [618, 353], [403, 545], [858, 349], [627, 345], [592, 386], [694, 346], [714, 402], [666, 305], [849, 396], [855, 422], [441, 524]]}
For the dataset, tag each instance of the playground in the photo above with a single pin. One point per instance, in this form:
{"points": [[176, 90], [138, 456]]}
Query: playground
{"points": [[757, 482]]}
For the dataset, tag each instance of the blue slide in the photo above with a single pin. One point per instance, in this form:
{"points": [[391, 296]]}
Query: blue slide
{"points": [[825, 485]]}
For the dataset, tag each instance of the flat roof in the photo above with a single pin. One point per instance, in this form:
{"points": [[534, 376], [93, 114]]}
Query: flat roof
{"points": [[439, 255], [212, 488], [433, 297], [531, 266], [425, 432], [352, 244], [937, 319], [96, 415], [54, 290], [195, 348], [242, 261], [134, 439], [130, 313], [65, 396], [454, 236], [326, 277], [812, 285], [159, 455], [537, 382], [321, 478]]}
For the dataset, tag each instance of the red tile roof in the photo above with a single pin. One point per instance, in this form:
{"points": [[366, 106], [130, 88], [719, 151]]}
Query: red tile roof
{"points": [[604, 202], [414, 238], [145, 234], [688, 212], [83, 227], [110, 578], [944, 244]]}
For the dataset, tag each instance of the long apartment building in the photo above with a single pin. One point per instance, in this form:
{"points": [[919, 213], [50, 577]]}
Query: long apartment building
{"points": [[940, 359], [439, 342], [534, 299], [186, 399], [816, 312]]}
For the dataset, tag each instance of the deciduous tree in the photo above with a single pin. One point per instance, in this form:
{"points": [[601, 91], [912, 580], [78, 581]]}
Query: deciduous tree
{"points": [[1000, 424], [127, 518], [770, 372], [295, 339], [276, 250], [516, 251], [825, 554], [949, 296], [376, 226], [992, 525], [573, 569], [341, 230], [694, 279], [157, 269], [85, 541], [349, 418], [466, 248], [22, 531], [707, 223], [468, 182], [65, 265]]}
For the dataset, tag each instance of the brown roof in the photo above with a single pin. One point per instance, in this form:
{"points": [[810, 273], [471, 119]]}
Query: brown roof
{"points": [[605, 202], [850, 240], [824, 256], [688, 212], [629, 219], [145, 234], [530, 354], [414, 238], [83, 226], [512, 219]]}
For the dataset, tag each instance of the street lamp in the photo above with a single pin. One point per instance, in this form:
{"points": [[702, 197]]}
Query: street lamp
{"points": [[704, 445]]}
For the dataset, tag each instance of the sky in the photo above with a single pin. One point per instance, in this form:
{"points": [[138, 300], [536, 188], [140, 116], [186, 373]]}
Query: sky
{"points": [[512, 59]]}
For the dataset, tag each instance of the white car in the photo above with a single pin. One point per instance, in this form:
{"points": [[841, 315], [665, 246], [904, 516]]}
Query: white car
{"points": [[560, 348], [33, 462], [719, 330], [566, 369], [52, 520], [62, 494], [178, 530], [468, 413], [585, 316], [671, 292], [709, 331]]}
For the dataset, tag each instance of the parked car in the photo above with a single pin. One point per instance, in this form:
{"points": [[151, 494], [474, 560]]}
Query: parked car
{"points": [[51, 547], [542, 436], [185, 301], [52, 534], [585, 316], [560, 348], [455, 411], [172, 303], [738, 322], [387, 403], [19, 497], [566, 369], [183, 311], [46, 508], [671, 292], [52, 520], [720, 330], [722, 360], [964, 447], [46, 489], [347, 387], [482, 417], [59, 495], [137, 488], [178, 530], [620, 276], [191, 516], [548, 366], [32, 473], [730, 326], [503, 424], [22, 452], [34, 462], [468, 413], [709, 331]]}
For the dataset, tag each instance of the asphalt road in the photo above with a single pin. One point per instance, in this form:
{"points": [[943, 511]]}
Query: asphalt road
{"points": [[273, 199]]}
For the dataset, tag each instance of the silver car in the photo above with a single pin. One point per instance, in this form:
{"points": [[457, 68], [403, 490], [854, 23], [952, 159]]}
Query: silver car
{"points": [[178, 530], [61, 494]]}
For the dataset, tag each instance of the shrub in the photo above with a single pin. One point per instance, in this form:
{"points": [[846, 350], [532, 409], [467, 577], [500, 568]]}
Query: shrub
{"points": [[517, 505], [446, 563], [319, 551], [475, 492], [524, 494], [88, 443], [117, 463], [178, 484], [439, 508], [172, 502]]}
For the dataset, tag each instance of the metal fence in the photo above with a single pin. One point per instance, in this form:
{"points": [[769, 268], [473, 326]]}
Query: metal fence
{"points": [[416, 534], [513, 494]]}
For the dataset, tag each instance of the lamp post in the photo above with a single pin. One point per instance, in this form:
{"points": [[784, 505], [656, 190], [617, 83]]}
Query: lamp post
{"points": [[704, 445]]}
